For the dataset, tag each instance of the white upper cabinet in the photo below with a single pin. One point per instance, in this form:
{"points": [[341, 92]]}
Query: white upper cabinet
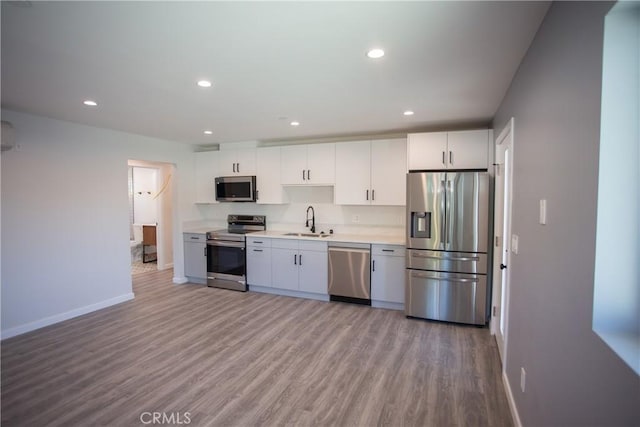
{"points": [[353, 173], [240, 162], [268, 165], [206, 171], [371, 172], [469, 149], [449, 150], [312, 164], [389, 172]]}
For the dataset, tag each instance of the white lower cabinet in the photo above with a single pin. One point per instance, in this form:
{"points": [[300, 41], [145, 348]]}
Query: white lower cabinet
{"points": [[299, 265], [195, 257], [387, 274], [258, 262]]}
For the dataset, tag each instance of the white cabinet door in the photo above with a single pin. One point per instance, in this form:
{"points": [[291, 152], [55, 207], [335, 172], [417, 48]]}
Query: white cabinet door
{"points": [[284, 268], [321, 164], [240, 162], [468, 149], [313, 271], [227, 162], [268, 176], [195, 260], [258, 266], [206, 171], [388, 172], [353, 173], [246, 161], [387, 273], [427, 150], [294, 164]]}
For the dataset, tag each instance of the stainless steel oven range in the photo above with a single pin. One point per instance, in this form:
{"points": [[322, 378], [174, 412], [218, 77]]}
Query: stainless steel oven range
{"points": [[226, 254]]}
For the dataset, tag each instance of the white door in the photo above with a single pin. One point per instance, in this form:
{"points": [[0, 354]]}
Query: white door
{"points": [[313, 272], [321, 163], [284, 268], [502, 233], [427, 150], [268, 176]]}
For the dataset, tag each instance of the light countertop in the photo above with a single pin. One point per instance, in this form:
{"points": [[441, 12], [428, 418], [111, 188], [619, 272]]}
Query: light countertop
{"points": [[378, 239]]}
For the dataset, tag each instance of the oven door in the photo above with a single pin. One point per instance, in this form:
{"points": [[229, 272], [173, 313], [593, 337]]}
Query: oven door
{"points": [[226, 264]]}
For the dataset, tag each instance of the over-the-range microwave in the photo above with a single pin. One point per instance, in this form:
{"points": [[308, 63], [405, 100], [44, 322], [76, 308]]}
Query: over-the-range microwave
{"points": [[236, 189]]}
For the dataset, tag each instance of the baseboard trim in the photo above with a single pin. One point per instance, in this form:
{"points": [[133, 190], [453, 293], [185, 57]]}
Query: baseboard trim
{"points": [[512, 402], [32, 326], [180, 280]]}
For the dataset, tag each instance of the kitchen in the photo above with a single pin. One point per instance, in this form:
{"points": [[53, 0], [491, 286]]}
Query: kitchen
{"points": [[80, 156]]}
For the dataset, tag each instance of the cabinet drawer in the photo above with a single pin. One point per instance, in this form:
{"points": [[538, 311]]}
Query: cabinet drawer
{"points": [[388, 250], [284, 244], [312, 245], [195, 237], [259, 241]]}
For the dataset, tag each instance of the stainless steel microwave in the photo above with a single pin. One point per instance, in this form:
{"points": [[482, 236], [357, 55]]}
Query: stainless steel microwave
{"points": [[236, 189]]}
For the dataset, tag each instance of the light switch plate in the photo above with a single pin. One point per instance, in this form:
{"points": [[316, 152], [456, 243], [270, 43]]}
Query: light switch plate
{"points": [[514, 243], [543, 211]]}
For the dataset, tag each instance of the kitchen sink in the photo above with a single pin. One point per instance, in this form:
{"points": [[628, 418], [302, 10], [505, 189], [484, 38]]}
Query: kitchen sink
{"points": [[307, 234]]}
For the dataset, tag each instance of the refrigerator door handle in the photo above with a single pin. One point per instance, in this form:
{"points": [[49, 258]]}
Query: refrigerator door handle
{"points": [[442, 279], [449, 206], [419, 255], [443, 210]]}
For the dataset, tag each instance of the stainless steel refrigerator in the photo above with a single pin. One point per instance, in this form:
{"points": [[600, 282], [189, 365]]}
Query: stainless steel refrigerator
{"points": [[447, 241]]}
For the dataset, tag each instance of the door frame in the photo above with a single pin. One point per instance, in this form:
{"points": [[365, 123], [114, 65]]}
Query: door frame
{"points": [[506, 135], [165, 209]]}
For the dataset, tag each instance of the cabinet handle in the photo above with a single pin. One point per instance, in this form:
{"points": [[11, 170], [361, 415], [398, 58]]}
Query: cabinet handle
{"points": [[443, 160], [300, 259], [234, 167], [257, 195], [295, 260], [238, 167], [257, 250], [303, 178], [451, 157], [195, 238], [308, 174], [373, 265], [205, 251], [373, 194], [257, 241], [367, 194]]}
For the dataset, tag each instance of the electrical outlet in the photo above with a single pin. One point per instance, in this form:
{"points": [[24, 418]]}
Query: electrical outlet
{"points": [[543, 212], [523, 379], [355, 218]]}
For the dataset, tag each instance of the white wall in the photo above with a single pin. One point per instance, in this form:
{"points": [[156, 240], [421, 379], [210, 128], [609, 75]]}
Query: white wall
{"points": [[145, 209], [65, 233], [291, 216]]}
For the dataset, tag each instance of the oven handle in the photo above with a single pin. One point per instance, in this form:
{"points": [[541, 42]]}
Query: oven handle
{"points": [[225, 243]]}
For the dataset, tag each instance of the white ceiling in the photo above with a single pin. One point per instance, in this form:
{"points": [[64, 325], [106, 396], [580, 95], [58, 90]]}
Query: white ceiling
{"points": [[450, 62]]}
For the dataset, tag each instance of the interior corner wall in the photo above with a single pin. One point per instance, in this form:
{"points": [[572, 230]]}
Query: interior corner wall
{"points": [[572, 377], [65, 233]]}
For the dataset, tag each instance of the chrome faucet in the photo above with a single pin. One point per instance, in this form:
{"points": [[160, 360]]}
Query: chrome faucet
{"points": [[313, 219]]}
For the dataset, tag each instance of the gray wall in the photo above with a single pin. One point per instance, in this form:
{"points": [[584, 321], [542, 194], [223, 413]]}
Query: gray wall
{"points": [[573, 378]]}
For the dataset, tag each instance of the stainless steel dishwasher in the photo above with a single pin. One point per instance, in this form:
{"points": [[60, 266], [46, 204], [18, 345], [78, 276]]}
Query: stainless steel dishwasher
{"points": [[350, 272]]}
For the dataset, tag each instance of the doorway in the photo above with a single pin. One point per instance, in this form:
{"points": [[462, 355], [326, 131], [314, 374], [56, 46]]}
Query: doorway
{"points": [[502, 236], [150, 215]]}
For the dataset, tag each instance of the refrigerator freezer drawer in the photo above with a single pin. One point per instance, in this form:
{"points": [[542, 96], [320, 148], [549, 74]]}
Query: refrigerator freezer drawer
{"points": [[459, 262], [449, 297]]}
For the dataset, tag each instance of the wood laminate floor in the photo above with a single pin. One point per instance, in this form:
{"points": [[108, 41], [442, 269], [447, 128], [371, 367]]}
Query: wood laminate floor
{"points": [[214, 357]]}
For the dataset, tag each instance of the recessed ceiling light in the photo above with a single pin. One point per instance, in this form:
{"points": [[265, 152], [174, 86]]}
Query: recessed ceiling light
{"points": [[204, 83], [295, 123], [90, 103], [408, 113], [375, 53], [208, 132]]}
